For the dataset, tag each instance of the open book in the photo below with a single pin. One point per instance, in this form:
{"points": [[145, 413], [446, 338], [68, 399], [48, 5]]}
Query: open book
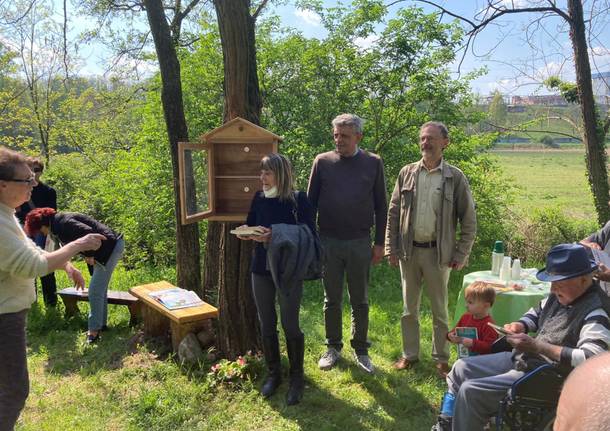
{"points": [[466, 332], [248, 230], [176, 297]]}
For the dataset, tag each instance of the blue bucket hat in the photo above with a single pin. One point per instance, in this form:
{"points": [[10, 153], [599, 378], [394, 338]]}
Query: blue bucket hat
{"points": [[565, 261]]}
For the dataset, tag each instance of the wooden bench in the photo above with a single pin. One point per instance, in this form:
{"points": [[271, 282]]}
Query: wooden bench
{"points": [[71, 296], [158, 319]]}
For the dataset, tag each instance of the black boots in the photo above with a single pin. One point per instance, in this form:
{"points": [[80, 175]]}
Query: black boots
{"points": [[271, 348], [296, 352]]}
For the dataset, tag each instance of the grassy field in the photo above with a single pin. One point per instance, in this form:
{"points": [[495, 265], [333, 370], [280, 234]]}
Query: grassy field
{"points": [[124, 384], [549, 178]]}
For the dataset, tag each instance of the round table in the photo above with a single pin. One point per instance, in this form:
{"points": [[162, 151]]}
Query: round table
{"points": [[510, 305]]}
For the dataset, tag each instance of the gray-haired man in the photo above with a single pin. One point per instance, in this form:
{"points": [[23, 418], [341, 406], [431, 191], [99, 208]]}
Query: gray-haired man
{"points": [[347, 190], [429, 199]]}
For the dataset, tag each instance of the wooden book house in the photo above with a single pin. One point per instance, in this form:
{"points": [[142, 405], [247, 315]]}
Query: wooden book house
{"points": [[220, 174]]}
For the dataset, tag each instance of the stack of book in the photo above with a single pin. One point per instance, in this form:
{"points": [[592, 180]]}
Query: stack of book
{"points": [[176, 298]]}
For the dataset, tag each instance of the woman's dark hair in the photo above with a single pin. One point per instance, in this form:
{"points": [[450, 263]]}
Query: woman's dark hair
{"points": [[9, 161], [37, 218]]}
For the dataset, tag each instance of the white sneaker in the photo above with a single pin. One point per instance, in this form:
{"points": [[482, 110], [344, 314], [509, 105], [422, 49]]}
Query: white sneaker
{"points": [[329, 359], [364, 362]]}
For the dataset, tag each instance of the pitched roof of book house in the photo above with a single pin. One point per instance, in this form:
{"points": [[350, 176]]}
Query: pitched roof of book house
{"points": [[238, 129]]}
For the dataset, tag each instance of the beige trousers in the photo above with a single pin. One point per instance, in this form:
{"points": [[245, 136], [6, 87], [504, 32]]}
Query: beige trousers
{"points": [[423, 267]]}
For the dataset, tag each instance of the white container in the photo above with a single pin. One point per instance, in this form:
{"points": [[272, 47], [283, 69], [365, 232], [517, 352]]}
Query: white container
{"points": [[516, 270], [496, 262], [505, 269]]}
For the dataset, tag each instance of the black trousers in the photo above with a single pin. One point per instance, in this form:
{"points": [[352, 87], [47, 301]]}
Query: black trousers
{"points": [[265, 292], [14, 381], [49, 289]]}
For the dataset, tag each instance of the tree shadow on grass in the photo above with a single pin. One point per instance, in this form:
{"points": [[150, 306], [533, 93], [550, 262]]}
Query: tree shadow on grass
{"points": [[348, 398], [63, 342]]}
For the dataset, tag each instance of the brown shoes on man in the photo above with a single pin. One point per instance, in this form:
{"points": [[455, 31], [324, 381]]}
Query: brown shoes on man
{"points": [[442, 369], [404, 363]]}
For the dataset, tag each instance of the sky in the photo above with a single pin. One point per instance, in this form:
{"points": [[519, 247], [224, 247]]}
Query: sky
{"points": [[518, 55]]}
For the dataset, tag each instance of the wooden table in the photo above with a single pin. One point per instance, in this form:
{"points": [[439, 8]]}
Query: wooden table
{"points": [[158, 319]]}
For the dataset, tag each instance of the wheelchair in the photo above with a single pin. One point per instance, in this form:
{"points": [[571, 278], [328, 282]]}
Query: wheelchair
{"points": [[531, 402]]}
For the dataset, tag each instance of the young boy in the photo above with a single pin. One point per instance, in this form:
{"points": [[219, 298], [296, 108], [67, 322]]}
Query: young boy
{"points": [[479, 297]]}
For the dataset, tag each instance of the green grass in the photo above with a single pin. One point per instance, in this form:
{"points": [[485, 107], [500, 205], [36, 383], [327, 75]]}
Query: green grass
{"points": [[123, 384], [549, 178]]}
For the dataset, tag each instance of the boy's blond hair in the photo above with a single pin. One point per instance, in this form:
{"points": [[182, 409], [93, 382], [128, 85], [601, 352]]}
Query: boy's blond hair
{"points": [[480, 291]]}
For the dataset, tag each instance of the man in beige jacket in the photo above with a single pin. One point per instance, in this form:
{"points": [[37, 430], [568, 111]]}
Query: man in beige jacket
{"points": [[430, 198]]}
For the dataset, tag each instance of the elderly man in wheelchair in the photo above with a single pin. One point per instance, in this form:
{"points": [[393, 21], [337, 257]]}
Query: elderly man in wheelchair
{"points": [[572, 324]]}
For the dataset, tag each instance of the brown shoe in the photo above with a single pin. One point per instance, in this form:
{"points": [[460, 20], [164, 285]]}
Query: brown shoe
{"points": [[404, 363], [442, 369]]}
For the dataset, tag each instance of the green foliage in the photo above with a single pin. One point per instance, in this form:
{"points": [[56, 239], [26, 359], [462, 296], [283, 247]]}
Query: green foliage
{"points": [[531, 238], [497, 109], [396, 84], [122, 173], [569, 90], [548, 141]]}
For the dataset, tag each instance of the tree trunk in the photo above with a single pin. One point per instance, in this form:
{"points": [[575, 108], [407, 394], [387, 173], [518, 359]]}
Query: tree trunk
{"points": [[188, 266], [227, 258], [592, 134]]}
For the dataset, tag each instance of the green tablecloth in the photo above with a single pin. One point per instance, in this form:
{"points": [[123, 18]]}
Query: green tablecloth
{"points": [[509, 306]]}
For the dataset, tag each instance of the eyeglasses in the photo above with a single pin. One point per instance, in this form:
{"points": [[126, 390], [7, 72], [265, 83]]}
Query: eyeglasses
{"points": [[29, 181]]}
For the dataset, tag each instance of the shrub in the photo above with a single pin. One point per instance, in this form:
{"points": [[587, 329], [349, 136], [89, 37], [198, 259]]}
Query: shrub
{"points": [[531, 237]]}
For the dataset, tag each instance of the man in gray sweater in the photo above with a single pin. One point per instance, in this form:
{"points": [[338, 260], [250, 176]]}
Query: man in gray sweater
{"points": [[347, 191]]}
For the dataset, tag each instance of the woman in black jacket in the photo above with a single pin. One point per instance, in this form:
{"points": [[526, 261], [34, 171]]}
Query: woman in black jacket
{"points": [[278, 203], [67, 227]]}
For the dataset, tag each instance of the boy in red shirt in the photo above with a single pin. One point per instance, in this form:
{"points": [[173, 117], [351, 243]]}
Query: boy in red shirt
{"points": [[479, 297]]}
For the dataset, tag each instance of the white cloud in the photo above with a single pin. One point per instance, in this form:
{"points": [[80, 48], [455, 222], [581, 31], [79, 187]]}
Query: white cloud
{"points": [[551, 68], [519, 3], [599, 57], [309, 17], [366, 42]]}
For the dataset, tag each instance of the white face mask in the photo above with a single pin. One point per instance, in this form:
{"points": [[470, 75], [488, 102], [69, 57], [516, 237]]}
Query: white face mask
{"points": [[270, 192]]}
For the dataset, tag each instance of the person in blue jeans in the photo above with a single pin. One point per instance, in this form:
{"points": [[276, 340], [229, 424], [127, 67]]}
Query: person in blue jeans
{"points": [[67, 227]]}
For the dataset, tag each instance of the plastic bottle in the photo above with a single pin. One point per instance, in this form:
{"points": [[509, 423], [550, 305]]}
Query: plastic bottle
{"points": [[516, 271], [496, 257], [505, 269]]}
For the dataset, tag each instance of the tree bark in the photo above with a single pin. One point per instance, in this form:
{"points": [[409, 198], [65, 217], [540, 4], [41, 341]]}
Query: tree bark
{"points": [[593, 135], [188, 266], [227, 258]]}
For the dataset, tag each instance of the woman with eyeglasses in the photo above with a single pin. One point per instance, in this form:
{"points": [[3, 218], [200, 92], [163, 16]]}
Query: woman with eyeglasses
{"points": [[66, 227], [20, 262], [278, 203]]}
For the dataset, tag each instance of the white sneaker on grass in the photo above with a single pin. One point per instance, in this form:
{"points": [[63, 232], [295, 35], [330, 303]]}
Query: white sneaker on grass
{"points": [[364, 362], [329, 359]]}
